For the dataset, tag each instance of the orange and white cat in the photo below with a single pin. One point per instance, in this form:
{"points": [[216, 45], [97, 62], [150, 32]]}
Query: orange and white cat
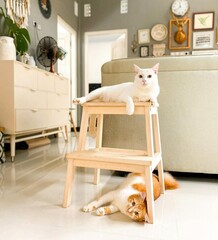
{"points": [[144, 88], [130, 197]]}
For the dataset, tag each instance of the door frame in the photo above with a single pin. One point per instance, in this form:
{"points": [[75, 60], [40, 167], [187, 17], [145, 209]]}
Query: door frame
{"points": [[101, 33], [73, 62]]}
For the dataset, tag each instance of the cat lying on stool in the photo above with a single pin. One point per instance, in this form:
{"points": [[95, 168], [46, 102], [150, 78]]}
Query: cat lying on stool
{"points": [[130, 197], [144, 88]]}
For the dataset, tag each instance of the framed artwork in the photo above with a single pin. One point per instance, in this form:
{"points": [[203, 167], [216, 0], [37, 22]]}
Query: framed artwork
{"points": [[179, 34], [203, 21], [203, 40], [217, 35], [144, 51], [18, 11], [159, 49], [45, 8], [143, 36]]}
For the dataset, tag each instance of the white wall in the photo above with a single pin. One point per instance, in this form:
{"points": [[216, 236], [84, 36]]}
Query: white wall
{"points": [[98, 54]]}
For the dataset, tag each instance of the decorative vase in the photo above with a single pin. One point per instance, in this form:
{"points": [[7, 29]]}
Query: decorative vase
{"points": [[7, 48], [31, 61]]}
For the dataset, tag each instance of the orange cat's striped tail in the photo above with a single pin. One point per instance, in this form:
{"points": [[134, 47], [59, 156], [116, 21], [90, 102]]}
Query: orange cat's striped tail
{"points": [[170, 182]]}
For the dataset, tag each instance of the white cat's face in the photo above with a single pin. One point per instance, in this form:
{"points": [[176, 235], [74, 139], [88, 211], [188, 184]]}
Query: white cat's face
{"points": [[145, 77]]}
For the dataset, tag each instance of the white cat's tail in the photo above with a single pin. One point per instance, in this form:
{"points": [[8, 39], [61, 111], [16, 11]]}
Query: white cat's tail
{"points": [[170, 182]]}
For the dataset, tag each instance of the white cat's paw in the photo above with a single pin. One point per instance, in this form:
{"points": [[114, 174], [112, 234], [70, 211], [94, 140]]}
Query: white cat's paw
{"points": [[154, 103], [129, 109], [100, 211], [90, 207], [79, 100]]}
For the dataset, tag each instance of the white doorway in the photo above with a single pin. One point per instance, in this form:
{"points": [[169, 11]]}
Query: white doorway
{"points": [[67, 67], [101, 47]]}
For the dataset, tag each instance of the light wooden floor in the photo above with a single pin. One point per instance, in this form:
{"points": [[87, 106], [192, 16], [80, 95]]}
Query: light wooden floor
{"points": [[31, 194]]}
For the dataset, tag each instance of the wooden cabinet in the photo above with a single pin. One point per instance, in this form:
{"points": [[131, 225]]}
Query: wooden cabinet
{"points": [[31, 101]]}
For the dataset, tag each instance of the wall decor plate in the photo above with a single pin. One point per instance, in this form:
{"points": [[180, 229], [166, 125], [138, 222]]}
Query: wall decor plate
{"points": [[159, 32], [45, 8]]}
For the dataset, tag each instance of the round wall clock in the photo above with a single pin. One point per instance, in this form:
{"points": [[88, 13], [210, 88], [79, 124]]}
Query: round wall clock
{"points": [[159, 32], [180, 7], [45, 8]]}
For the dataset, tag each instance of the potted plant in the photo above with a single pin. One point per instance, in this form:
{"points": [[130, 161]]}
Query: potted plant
{"points": [[11, 29]]}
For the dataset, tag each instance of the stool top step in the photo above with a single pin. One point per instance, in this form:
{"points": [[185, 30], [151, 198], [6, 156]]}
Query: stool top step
{"points": [[99, 107], [110, 155], [98, 103]]}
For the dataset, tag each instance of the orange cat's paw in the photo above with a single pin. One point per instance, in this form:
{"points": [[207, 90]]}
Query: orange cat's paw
{"points": [[100, 211], [90, 207]]}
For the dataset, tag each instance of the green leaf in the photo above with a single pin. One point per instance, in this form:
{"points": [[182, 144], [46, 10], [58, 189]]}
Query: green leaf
{"points": [[9, 28]]}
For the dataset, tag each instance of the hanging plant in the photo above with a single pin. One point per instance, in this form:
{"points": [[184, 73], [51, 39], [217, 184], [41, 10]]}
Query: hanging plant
{"points": [[11, 29]]}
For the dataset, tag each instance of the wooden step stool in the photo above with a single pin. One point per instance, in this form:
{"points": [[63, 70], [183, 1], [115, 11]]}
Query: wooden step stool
{"points": [[140, 161]]}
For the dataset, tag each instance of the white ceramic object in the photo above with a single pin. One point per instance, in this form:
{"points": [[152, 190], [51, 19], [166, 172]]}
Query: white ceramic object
{"points": [[159, 32], [7, 48], [31, 61]]}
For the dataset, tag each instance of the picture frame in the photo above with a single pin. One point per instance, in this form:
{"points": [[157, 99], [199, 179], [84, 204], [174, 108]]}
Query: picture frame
{"points": [[172, 31], [203, 21], [45, 8], [144, 51], [143, 36], [202, 40], [216, 35]]}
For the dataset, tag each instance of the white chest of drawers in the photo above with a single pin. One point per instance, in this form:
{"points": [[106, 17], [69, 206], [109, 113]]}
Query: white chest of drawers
{"points": [[31, 101]]}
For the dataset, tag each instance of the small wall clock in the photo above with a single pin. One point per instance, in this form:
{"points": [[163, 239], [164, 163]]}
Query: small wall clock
{"points": [[45, 8]]}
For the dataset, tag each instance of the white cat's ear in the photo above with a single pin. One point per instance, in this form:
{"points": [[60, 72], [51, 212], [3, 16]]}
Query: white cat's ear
{"points": [[156, 68], [137, 69]]}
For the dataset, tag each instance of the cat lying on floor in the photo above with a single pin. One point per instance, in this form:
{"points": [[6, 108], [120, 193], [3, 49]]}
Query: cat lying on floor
{"points": [[144, 88], [130, 197]]}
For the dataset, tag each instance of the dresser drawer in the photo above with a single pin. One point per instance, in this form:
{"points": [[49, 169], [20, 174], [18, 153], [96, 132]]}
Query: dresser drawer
{"points": [[58, 118], [32, 119], [26, 98], [61, 85], [58, 101], [25, 76], [46, 81]]}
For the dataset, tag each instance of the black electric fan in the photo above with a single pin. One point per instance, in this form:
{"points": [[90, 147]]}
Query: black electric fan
{"points": [[48, 52]]}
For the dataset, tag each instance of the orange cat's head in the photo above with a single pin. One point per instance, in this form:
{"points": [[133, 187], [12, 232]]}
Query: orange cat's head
{"points": [[137, 208]]}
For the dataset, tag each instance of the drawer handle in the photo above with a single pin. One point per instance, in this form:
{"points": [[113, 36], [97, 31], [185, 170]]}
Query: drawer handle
{"points": [[34, 110], [27, 67], [33, 89]]}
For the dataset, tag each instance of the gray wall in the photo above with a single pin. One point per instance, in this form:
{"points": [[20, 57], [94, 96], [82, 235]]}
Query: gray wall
{"points": [[142, 14], [64, 9]]}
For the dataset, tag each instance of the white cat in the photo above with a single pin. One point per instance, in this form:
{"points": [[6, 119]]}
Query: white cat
{"points": [[144, 88]]}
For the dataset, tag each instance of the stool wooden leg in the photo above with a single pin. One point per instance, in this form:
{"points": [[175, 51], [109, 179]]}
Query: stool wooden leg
{"points": [[98, 144], [149, 134], [149, 194], [69, 184], [83, 129], [158, 150], [97, 176], [66, 133], [161, 175], [74, 126]]}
